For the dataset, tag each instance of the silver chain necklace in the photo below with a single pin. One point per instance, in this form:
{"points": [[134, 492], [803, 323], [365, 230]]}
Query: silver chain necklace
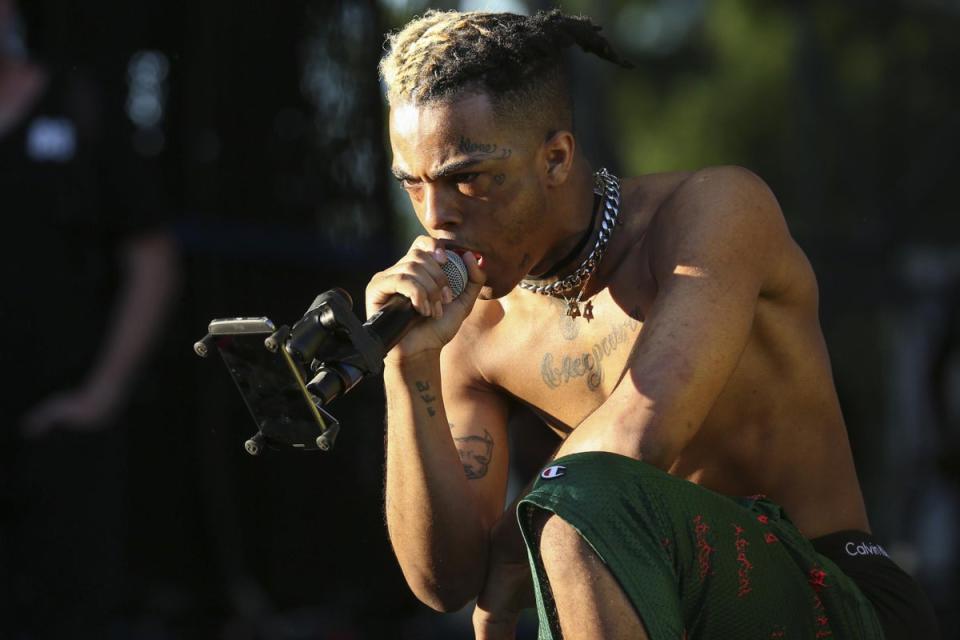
{"points": [[607, 186]]}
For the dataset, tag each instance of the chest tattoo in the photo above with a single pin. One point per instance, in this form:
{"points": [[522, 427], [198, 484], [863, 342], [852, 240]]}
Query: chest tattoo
{"points": [[568, 326], [557, 370]]}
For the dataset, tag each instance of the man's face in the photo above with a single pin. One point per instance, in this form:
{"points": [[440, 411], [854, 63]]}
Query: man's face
{"points": [[473, 184]]}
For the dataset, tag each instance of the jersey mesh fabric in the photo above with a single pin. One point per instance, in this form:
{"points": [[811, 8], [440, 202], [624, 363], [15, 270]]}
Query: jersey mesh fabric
{"points": [[694, 563]]}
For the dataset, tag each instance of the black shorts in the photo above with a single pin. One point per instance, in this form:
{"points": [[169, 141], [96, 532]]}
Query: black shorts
{"points": [[902, 609]]}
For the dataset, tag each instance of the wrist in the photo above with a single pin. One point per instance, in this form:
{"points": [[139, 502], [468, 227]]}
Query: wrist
{"points": [[398, 362]]}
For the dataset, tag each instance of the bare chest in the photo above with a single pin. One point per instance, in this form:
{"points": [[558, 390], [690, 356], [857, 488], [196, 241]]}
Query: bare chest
{"points": [[563, 367]]}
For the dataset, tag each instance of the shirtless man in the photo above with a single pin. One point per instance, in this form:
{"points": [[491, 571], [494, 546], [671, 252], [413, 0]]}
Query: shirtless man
{"points": [[682, 364]]}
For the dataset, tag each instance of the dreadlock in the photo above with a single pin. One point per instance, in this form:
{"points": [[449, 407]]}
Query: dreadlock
{"points": [[517, 60]]}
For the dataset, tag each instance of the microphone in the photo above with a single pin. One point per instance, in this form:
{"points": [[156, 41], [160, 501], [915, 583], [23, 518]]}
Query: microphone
{"points": [[368, 343], [397, 316]]}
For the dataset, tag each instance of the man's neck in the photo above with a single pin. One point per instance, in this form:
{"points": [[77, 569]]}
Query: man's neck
{"points": [[574, 209]]}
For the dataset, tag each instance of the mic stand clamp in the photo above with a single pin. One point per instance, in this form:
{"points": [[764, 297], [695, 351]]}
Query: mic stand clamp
{"points": [[329, 342], [341, 351]]}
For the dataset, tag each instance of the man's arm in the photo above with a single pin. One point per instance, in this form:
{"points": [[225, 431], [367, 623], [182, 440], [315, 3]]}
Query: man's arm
{"points": [[508, 588], [446, 438], [446, 476], [150, 279], [718, 244]]}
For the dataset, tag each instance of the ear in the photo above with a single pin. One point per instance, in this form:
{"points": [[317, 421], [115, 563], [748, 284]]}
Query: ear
{"points": [[558, 150]]}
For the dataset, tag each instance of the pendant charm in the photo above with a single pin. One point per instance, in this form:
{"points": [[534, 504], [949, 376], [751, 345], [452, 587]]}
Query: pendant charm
{"points": [[573, 308], [588, 311]]}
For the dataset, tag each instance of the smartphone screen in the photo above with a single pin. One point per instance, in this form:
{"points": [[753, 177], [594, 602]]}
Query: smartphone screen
{"points": [[272, 386]]}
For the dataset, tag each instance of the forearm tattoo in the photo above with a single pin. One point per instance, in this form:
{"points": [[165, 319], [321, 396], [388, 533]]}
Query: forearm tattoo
{"points": [[423, 388], [476, 452]]}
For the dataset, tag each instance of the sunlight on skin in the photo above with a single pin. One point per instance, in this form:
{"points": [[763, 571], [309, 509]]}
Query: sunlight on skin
{"points": [[687, 270]]}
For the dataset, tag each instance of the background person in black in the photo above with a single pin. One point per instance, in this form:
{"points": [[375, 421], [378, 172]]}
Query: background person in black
{"points": [[89, 273]]}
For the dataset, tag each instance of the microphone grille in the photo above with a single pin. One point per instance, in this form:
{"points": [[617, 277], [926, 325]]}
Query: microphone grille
{"points": [[456, 273]]}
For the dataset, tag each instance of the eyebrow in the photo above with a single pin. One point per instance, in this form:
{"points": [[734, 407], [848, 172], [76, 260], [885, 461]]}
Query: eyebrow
{"points": [[442, 172], [400, 175]]}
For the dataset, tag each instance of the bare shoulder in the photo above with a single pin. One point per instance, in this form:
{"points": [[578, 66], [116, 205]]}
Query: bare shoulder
{"points": [[724, 216], [722, 198]]}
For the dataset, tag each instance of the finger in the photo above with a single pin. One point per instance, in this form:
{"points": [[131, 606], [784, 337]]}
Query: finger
{"points": [[428, 244], [377, 293], [423, 262], [476, 278], [416, 285], [432, 261], [432, 279], [405, 279]]}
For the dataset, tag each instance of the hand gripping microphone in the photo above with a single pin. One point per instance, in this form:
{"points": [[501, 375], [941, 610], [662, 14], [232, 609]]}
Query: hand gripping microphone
{"points": [[343, 351], [397, 316]]}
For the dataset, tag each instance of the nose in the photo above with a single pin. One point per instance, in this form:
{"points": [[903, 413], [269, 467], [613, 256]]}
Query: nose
{"points": [[439, 208]]}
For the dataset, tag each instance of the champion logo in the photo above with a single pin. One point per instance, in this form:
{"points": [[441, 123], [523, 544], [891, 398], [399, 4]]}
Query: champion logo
{"points": [[555, 471]]}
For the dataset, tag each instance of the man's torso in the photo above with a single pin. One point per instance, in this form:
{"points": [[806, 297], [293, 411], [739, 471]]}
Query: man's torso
{"points": [[776, 427]]}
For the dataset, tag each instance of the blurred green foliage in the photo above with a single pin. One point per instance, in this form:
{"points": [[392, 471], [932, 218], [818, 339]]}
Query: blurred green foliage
{"points": [[850, 110], [713, 103]]}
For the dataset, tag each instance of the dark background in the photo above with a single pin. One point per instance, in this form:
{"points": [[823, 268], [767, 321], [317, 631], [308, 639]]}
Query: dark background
{"points": [[271, 149]]}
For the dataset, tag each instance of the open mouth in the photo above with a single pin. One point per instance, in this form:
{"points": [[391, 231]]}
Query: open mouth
{"points": [[457, 249]]}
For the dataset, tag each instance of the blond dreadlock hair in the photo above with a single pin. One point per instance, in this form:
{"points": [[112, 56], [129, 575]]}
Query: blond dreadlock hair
{"points": [[517, 60]]}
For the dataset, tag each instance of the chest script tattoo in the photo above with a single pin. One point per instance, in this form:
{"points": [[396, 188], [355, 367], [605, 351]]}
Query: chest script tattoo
{"points": [[557, 371], [486, 148]]}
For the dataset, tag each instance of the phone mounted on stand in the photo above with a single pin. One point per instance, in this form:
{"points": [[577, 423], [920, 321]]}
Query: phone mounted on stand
{"points": [[287, 376]]}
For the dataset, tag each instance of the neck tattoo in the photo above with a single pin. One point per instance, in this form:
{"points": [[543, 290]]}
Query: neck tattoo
{"points": [[607, 186]]}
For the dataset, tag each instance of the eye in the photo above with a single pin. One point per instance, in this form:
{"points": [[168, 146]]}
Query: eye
{"points": [[465, 178]]}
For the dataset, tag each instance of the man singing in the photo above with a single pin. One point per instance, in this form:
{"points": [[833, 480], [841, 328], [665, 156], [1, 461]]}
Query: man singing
{"points": [[664, 326]]}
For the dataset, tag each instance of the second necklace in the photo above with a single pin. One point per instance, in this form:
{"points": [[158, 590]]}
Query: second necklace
{"points": [[607, 186]]}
